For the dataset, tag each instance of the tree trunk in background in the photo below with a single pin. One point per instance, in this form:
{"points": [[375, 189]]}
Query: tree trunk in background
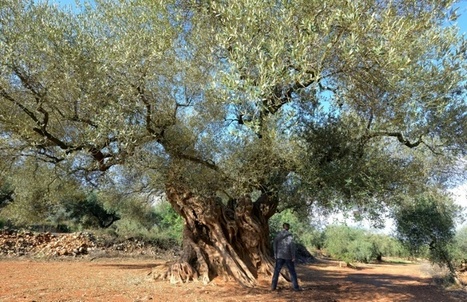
{"points": [[222, 240]]}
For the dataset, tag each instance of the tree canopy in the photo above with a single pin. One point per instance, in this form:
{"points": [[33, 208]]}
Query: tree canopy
{"points": [[237, 108]]}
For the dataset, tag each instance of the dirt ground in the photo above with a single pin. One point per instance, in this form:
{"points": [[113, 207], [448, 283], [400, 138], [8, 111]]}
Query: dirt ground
{"points": [[127, 279]]}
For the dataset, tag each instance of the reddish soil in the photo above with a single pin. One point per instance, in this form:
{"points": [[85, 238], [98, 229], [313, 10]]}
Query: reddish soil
{"points": [[124, 279]]}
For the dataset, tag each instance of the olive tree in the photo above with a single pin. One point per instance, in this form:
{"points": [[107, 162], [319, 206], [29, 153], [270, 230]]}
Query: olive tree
{"points": [[429, 220], [460, 253], [235, 109]]}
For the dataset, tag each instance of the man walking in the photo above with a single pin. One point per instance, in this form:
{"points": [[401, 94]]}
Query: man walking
{"points": [[284, 253]]}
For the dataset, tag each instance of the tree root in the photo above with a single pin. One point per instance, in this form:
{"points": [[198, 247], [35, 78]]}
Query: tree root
{"points": [[178, 272]]}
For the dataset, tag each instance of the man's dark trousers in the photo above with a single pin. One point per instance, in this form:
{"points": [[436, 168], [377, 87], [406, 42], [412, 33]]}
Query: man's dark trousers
{"points": [[277, 269]]}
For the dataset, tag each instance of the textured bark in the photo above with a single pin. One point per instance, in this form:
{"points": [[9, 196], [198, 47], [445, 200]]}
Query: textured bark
{"points": [[229, 240]]}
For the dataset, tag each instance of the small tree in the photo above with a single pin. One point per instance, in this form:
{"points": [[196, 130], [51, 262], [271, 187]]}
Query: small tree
{"points": [[429, 221], [460, 250]]}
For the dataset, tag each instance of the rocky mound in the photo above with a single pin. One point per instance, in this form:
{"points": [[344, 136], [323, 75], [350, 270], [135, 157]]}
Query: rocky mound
{"points": [[15, 243]]}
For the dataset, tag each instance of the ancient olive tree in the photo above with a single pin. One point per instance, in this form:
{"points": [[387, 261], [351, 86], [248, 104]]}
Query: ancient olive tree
{"points": [[235, 108]]}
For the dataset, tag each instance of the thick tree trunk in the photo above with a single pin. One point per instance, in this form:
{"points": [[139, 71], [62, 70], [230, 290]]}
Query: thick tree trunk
{"points": [[229, 240]]}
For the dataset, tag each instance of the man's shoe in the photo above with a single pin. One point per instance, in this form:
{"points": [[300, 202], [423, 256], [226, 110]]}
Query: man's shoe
{"points": [[298, 289]]}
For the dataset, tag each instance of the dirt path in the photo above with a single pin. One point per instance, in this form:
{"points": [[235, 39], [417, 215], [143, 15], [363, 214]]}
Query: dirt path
{"points": [[119, 280]]}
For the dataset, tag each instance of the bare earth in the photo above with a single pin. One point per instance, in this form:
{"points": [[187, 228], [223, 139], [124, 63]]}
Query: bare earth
{"points": [[126, 279]]}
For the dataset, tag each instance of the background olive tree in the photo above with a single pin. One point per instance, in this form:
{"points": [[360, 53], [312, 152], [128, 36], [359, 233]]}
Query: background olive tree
{"points": [[460, 251], [429, 222]]}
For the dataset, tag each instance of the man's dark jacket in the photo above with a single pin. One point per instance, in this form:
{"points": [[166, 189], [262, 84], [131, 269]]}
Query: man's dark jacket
{"points": [[284, 247]]}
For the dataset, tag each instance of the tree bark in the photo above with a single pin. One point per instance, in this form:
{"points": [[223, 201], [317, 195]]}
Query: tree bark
{"points": [[229, 240]]}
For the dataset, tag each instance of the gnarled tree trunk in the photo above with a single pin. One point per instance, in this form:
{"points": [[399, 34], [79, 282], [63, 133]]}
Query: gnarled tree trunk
{"points": [[229, 240]]}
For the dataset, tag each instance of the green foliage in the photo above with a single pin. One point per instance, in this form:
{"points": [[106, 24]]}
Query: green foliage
{"points": [[165, 230], [89, 212], [43, 196], [168, 222], [130, 207], [461, 240], [342, 170], [428, 221], [388, 246], [338, 242], [202, 82], [28, 208], [300, 226], [460, 247], [353, 244], [35, 189], [6, 192]]}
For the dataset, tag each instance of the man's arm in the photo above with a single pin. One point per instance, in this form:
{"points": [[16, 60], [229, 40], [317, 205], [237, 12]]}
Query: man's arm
{"points": [[292, 250], [274, 247]]}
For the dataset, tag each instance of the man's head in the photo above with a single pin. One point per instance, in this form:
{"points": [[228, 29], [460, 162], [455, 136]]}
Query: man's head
{"points": [[286, 226]]}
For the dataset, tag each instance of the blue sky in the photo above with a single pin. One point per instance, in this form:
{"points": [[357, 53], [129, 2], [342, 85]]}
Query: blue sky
{"points": [[462, 21]]}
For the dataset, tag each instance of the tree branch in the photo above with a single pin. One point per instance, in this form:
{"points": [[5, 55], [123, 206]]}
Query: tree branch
{"points": [[400, 137], [26, 81], [8, 97], [282, 95]]}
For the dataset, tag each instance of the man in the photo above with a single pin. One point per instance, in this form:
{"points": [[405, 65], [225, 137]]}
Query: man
{"points": [[284, 253]]}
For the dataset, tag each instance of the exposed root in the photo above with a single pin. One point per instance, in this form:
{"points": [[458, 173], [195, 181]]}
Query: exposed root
{"points": [[267, 266], [179, 272]]}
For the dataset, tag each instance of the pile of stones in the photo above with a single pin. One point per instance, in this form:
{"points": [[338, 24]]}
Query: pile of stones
{"points": [[21, 243]]}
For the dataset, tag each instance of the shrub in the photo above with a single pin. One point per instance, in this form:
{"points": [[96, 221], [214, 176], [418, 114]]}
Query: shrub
{"points": [[357, 245], [303, 232]]}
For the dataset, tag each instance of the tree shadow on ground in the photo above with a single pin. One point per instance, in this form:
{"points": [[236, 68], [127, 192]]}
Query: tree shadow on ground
{"points": [[326, 281], [145, 266]]}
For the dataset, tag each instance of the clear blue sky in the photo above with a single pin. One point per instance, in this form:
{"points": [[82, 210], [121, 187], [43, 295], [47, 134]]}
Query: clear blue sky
{"points": [[462, 21]]}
